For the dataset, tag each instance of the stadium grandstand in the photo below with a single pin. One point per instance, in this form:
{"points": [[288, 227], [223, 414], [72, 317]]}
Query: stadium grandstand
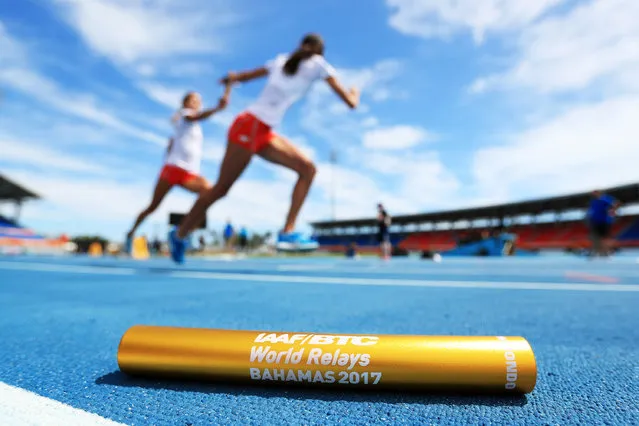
{"points": [[15, 238], [527, 221]]}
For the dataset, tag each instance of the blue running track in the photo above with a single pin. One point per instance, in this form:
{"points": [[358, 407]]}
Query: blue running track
{"points": [[62, 320]]}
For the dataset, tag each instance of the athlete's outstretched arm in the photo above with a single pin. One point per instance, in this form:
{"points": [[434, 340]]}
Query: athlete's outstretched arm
{"points": [[203, 115], [351, 98], [244, 76]]}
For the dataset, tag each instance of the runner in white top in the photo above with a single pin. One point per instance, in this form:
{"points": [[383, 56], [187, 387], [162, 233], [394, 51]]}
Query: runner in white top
{"points": [[183, 156], [289, 78], [186, 146], [284, 90]]}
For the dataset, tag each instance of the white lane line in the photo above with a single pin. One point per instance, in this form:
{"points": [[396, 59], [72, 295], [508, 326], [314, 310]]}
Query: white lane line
{"points": [[512, 285], [306, 267], [516, 285], [21, 407], [381, 270], [47, 267], [447, 270], [377, 268]]}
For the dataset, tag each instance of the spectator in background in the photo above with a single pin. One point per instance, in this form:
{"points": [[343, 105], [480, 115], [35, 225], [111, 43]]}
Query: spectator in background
{"points": [[243, 238], [228, 234], [351, 251], [157, 246], [600, 217], [383, 235]]}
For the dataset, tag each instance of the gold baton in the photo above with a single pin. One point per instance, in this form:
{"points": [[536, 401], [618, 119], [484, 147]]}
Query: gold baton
{"points": [[453, 363]]}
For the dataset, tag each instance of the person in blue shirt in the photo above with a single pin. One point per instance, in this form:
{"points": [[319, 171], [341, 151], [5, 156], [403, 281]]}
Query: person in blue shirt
{"points": [[600, 217], [228, 234]]}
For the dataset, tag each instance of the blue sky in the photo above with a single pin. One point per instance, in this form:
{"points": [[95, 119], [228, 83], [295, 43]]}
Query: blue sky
{"points": [[463, 103]]}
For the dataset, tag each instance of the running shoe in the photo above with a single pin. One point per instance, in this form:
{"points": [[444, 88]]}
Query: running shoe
{"points": [[177, 247], [295, 241]]}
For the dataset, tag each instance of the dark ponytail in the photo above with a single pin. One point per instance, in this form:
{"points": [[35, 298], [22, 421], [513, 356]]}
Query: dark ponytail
{"points": [[293, 63], [312, 44]]}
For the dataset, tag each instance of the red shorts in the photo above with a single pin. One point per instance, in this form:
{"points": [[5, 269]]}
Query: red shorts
{"points": [[251, 133], [176, 175]]}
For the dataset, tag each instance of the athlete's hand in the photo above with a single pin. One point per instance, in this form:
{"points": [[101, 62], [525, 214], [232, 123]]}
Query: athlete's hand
{"points": [[230, 78], [353, 93], [223, 102]]}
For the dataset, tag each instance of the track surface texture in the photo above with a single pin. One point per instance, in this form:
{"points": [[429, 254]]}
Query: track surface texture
{"points": [[62, 320]]}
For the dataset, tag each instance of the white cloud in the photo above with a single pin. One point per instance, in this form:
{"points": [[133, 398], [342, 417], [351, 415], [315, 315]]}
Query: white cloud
{"points": [[356, 193], [167, 96], [129, 32], [578, 50], [17, 73], [154, 39], [82, 106], [595, 42], [444, 18], [103, 199], [37, 155], [398, 137], [326, 116], [261, 204], [418, 176], [375, 81], [408, 183], [479, 86], [171, 97], [189, 69], [589, 51], [369, 122], [370, 167], [10, 49], [146, 70], [213, 151], [405, 183], [384, 94], [379, 74], [64, 131], [590, 146]]}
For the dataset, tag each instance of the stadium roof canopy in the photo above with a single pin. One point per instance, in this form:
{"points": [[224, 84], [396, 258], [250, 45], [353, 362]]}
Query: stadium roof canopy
{"points": [[11, 191], [627, 194]]}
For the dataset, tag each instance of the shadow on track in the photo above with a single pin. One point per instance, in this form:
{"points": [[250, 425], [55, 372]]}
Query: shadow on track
{"points": [[118, 378]]}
